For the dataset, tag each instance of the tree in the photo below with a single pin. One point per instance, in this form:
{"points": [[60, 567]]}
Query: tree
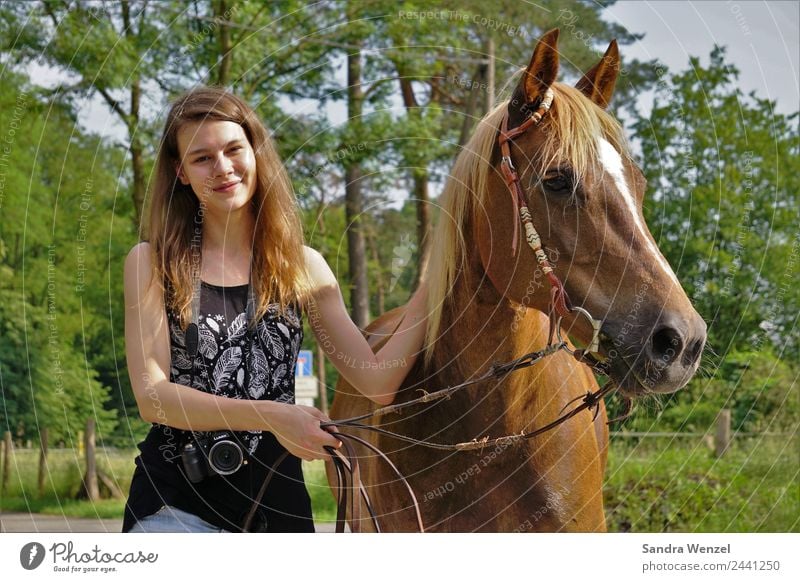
{"points": [[722, 205], [723, 173], [57, 201]]}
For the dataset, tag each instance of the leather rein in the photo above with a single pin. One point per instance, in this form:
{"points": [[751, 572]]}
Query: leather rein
{"points": [[346, 460]]}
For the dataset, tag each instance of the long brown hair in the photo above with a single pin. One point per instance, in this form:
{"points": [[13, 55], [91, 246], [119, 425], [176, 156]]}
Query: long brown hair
{"points": [[278, 266]]}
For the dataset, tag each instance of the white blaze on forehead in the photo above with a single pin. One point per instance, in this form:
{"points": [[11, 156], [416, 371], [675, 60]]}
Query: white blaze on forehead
{"points": [[612, 163]]}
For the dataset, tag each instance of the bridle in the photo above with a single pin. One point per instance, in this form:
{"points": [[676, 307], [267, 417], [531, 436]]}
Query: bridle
{"points": [[346, 463]]}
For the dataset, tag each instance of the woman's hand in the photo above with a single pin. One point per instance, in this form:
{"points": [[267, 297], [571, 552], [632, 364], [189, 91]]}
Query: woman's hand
{"points": [[297, 428]]}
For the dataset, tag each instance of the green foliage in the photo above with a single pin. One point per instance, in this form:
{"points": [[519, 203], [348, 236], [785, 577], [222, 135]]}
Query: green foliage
{"points": [[760, 388], [723, 173], [59, 211]]}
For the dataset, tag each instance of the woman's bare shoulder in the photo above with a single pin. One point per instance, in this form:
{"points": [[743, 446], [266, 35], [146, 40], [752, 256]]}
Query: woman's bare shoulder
{"points": [[138, 268], [318, 270]]}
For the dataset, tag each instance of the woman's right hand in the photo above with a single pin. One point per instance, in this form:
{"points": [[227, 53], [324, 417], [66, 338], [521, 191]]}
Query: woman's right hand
{"points": [[297, 428]]}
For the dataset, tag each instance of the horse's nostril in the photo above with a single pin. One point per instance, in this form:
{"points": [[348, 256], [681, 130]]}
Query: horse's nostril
{"points": [[693, 352], [666, 345]]}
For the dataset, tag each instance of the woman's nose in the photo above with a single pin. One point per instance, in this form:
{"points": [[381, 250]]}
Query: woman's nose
{"points": [[223, 165]]}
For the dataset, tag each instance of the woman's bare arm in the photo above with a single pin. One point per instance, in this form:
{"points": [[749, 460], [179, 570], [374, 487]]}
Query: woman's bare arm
{"points": [[376, 375]]}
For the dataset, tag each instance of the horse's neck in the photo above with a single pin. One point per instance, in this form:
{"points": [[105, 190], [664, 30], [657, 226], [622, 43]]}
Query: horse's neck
{"points": [[480, 327]]}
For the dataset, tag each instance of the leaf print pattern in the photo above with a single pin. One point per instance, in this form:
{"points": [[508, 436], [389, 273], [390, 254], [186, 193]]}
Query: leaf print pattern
{"points": [[180, 360], [210, 322], [226, 365], [235, 362], [259, 375], [273, 342], [237, 325], [287, 397], [208, 343], [284, 330], [277, 377]]}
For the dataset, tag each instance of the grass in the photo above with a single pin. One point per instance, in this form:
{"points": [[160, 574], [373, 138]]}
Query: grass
{"points": [[323, 504], [655, 485], [65, 469], [659, 485], [62, 483]]}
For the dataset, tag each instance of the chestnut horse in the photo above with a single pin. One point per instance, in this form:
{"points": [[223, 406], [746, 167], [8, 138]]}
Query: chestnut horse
{"points": [[488, 304]]}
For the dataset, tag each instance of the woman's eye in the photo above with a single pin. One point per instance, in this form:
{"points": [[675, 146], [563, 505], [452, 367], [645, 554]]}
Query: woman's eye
{"points": [[557, 184]]}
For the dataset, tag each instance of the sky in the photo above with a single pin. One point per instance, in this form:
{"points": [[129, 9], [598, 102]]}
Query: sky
{"points": [[762, 39]]}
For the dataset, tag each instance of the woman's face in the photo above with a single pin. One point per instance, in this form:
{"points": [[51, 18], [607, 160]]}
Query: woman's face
{"points": [[217, 160]]}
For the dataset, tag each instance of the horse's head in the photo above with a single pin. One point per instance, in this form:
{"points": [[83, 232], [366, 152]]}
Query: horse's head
{"points": [[585, 196]]}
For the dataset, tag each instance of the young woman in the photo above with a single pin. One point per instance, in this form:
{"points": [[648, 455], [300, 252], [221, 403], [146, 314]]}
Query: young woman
{"points": [[213, 327]]}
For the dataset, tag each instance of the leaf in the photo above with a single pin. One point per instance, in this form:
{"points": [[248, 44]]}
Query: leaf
{"points": [[237, 325], [259, 375], [273, 341], [208, 343], [277, 376], [209, 321], [284, 329], [228, 361], [286, 397], [180, 360]]}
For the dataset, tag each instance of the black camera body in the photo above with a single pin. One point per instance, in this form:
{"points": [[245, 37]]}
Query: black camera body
{"points": [[217, 453]]}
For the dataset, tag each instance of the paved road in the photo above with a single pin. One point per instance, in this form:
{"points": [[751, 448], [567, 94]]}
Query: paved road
{"points": [[38, 523]]}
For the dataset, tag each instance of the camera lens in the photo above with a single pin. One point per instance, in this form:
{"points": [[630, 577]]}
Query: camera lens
{"points": [[225, 457]]}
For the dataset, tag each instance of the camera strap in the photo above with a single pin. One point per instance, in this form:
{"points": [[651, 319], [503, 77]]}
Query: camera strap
{"points": [[192, 335]]}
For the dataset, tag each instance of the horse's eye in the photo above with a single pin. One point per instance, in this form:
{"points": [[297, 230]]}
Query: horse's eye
{"points": [[558, 184]]}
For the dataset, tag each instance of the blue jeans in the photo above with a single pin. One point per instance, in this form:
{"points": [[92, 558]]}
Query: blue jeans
{"points": [[170, 519]]}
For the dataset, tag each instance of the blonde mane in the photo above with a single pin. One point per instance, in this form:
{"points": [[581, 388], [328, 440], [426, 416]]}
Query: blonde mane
{"points": [[572, 127]]}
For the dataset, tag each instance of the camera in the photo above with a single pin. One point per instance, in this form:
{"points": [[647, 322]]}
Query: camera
{"points": [[215, 454]]}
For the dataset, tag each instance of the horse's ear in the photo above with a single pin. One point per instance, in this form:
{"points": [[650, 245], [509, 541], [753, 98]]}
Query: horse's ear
{"points": [[598, 83], [540, 74]]}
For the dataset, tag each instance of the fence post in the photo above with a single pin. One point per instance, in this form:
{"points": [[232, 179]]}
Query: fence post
{"points": [[7, 447], [42, 460], [723, 436], [90, 481]]}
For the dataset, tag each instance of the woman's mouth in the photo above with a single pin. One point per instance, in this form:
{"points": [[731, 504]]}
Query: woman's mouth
{"points": [[230, 186]]}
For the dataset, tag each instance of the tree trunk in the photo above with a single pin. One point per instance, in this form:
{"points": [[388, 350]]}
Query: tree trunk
{"points": [[8, 446], [226, 55], [420, 179], [91, 487], [380, 292], [132, 122], [472, 105], [423, 223], [42, 461], [354, 203]]}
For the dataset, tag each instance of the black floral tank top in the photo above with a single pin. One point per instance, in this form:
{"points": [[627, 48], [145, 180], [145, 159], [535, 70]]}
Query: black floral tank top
{"points": [[233, 362]]}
